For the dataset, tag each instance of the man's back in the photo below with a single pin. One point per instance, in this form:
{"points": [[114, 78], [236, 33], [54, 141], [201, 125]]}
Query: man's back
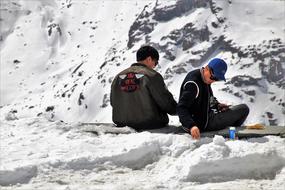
{"points": [[140, 100]]}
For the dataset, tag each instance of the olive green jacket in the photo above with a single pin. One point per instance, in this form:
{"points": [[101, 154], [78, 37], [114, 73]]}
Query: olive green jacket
{"points": [[140, 99]]}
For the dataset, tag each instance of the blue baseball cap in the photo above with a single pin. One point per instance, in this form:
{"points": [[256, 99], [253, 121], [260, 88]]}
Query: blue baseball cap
{"points": [[219, 68]]}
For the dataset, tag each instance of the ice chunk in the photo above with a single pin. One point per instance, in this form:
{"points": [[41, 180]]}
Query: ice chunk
{"points": [[219, 140]]}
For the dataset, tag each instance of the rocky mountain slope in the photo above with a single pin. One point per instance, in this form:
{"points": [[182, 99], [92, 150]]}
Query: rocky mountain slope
{"points": [[58, 58]]}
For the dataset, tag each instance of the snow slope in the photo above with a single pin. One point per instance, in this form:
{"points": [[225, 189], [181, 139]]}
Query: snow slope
{"points": [[59, 57]]}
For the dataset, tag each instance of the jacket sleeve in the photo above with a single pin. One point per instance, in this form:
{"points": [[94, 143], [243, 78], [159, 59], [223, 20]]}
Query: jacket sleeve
{"points": [[161, 95], [187, 97]]}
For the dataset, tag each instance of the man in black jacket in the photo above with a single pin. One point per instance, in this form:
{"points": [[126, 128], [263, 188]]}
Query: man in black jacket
{"points": [[199, 110], [139, 96]]}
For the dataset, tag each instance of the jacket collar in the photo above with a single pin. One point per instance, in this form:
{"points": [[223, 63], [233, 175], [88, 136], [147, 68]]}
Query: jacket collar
{"points": [[139, 64]]}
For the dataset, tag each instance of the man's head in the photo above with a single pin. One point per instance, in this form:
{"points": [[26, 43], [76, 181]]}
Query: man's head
{"points": [[148, 56], [215, 71]]}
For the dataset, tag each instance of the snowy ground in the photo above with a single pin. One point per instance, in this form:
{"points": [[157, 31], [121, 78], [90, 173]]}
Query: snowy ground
{"points": [[41, 154]]}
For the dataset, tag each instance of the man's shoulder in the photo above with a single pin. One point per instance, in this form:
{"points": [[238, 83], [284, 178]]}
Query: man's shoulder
{"points": [[140, 70], [194, 75], [194, 72]]}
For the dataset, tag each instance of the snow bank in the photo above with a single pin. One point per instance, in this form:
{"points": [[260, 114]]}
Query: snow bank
{"points": [[40, 153], [217, 162], [221, 161], [134, 155], [18, 175]]}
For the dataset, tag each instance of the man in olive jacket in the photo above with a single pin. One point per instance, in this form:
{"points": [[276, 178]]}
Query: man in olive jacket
{"points": [[139, 96]]}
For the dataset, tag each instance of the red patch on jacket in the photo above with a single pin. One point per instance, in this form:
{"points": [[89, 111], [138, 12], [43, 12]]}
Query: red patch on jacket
{"points": [[130, 82]]}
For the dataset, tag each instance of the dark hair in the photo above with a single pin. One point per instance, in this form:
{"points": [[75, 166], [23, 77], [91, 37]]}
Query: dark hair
{"points": [[147, 51]]}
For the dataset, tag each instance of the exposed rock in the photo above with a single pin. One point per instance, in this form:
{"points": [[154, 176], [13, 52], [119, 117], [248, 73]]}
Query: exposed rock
{"points": [[16, 61], [49, 108], [237, 94], [142, 26], [11, 115], [250, 92], [181, 7], [145, 23], [106, 100], [81, 98], [243, 80], [53, 26], [274, 71], [271, 119]]}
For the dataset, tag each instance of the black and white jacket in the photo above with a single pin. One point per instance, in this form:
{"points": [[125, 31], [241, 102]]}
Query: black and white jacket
{"points": [[194, 101]]}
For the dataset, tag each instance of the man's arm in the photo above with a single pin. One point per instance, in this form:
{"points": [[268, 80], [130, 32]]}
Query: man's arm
{"points": [[161, 95], [220, 106], [187, 97]]}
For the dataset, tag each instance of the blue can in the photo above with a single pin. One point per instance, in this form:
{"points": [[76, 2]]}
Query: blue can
{"points": [[232, 132]]}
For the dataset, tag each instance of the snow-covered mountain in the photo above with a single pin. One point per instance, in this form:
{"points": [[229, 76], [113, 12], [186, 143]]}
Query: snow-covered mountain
{"points": [[58, 57]]}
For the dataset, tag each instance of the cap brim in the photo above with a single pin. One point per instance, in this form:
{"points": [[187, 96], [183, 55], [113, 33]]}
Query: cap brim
{"points": [[222, 78]]}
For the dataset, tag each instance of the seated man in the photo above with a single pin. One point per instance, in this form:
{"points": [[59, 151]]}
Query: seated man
{"points": [[139, 96], [199, 110]]}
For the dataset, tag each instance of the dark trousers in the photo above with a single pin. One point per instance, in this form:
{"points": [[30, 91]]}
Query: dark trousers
{"points": [[234, 116]]}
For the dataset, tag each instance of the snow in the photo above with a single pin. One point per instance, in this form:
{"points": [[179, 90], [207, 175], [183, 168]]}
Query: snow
{"points": [[42, 142], [40, 154], [255, 20]]}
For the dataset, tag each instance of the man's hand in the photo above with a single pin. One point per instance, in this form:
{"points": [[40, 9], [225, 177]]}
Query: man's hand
{"points": [[223, 107], [195, 132]]}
